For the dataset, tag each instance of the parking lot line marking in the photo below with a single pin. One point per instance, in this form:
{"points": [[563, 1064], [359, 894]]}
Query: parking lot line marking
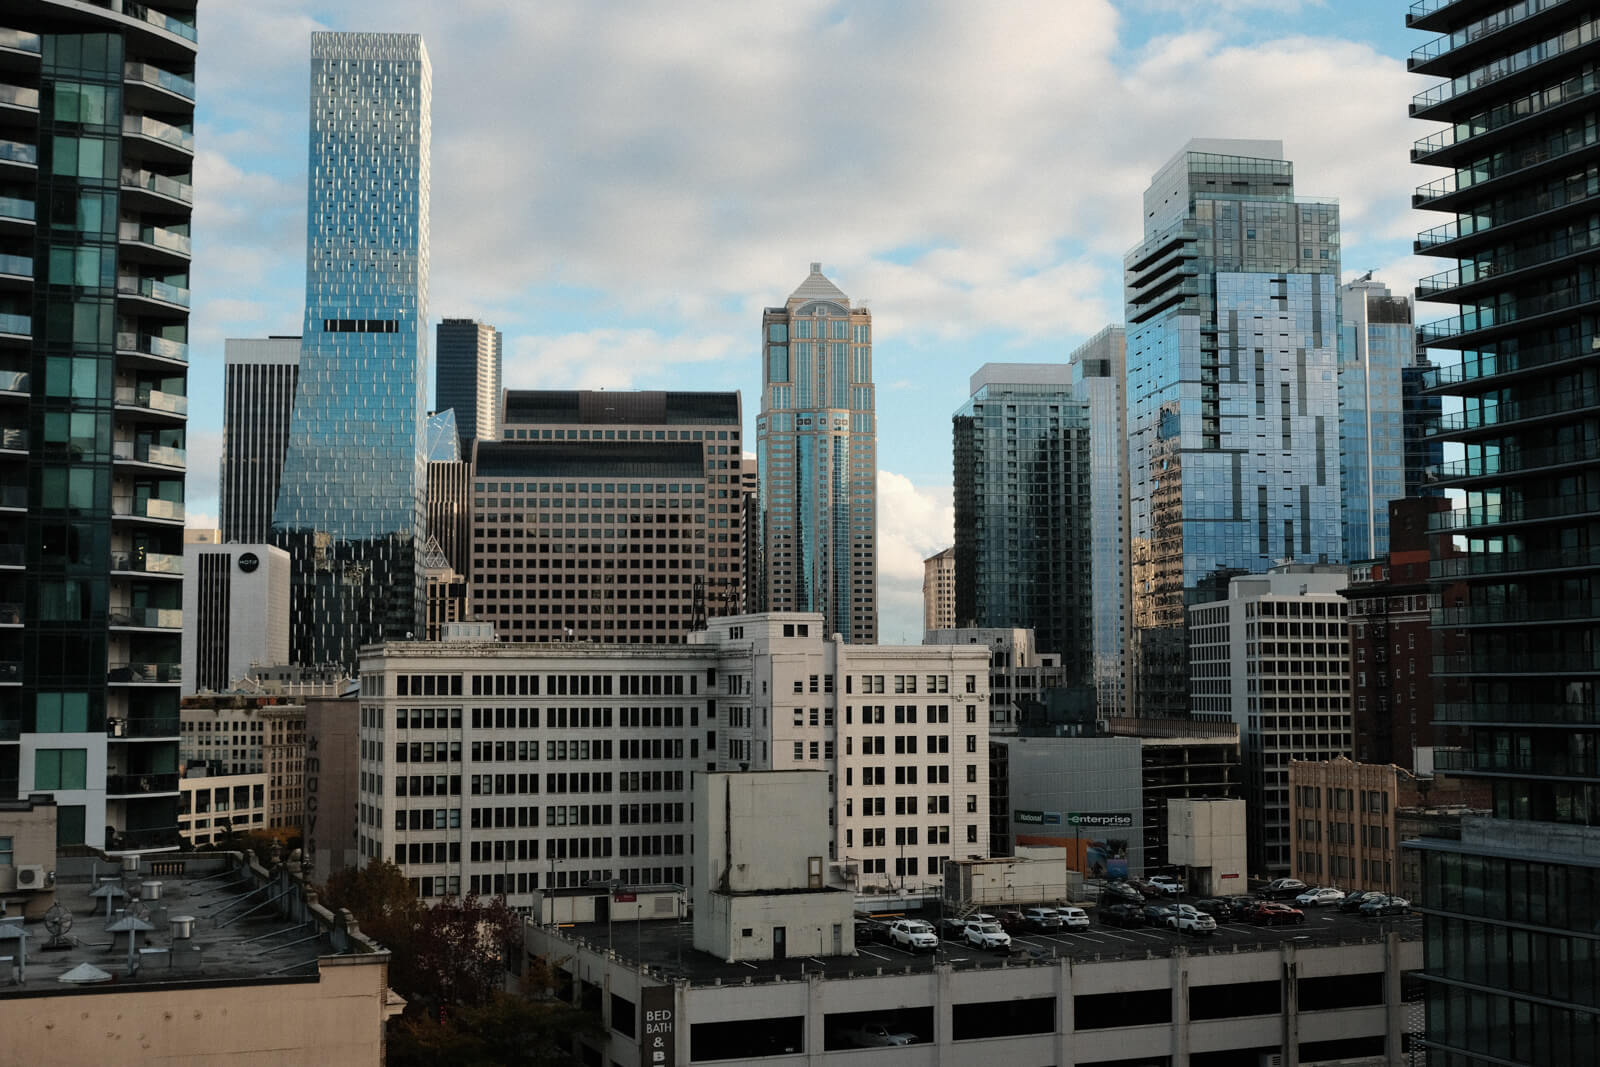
{"points": [[874, 955]]}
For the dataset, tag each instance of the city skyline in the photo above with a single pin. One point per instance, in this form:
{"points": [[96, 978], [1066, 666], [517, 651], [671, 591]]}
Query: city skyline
{"points": [[666, 293]]}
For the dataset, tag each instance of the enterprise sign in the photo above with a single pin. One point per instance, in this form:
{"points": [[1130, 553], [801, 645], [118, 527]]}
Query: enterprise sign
{"points": [[1083, 820]]}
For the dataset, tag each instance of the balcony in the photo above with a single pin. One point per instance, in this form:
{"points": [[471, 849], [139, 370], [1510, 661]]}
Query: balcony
{"points": [[146, 619], [20, 97], [1517, 713], [19, 41], [1504, 116], [1482, 319], [1564, 506], [10, 614], [178, 140], [1502, 563], [1501, 270], [1492, 663], [142, 729], [1477, 33], [1519, 62], [12, 556], [1537, 765], [1530, 159], [15, 213], [10, 672], [1521, 461], [161, 21], [144, 452], [161, 185], [160, 350], [175, 296], [16, 266], [1514, 614], [13, 498], [150, 74], [18, 153], [149, 398], [144, 673], [1493, 416], [147, 563], [10, 730], [132, 785], [123, 507], [13, 439], [161, 245]]}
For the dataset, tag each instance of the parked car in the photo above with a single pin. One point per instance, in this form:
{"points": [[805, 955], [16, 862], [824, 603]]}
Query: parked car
{"points": [[987, 935], [1156, 914], [1216, 907], [1319, 898], [1073, 918], [1120, 915], [1186, 918], [913, 934], [1012, 922], [1120, 893], [1042, 919], [1384, 905], [1145, 889], [952, 929], [1168, 884], [1272, 913], [1282, 889], [1353, 901], [869, 931], [877, 1035]]}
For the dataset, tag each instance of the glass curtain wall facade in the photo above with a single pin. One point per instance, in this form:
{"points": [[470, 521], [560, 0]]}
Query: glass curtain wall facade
{"points": [[259, 377], [1099, 367], [1232, 393], [467, 376], [1511, 942], [96, 157], [351, 504], [816, 454], [1023, 550], [1378, 343]]}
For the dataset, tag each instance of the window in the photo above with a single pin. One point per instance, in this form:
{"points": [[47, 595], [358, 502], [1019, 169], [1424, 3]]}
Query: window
{"points": [[60, 768], [70, 821], [6, 857], [972, 832]]}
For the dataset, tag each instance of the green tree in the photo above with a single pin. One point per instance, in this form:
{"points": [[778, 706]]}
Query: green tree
{"points": [[530, 1029]]}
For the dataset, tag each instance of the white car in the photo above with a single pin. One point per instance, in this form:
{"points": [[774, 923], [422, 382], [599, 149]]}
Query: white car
{"points": [[987, 935], [1169, 885], [913, 934], [1188, 918], [1073, 918], [1319, 897]]}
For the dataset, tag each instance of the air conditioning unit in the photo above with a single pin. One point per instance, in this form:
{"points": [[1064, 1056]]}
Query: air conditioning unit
{"points": [[30, 876]]}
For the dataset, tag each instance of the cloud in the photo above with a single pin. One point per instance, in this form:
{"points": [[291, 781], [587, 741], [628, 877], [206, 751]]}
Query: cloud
{"points": [[606, 358], [914, 522]]}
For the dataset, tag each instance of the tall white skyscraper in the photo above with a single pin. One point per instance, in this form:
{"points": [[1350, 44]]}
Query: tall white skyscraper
{"points": [[816, 444]]}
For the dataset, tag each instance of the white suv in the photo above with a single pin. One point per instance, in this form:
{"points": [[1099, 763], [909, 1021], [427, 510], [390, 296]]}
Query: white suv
{"points": [[913, 934], [1169, 885], [1073, 918], [987, 935], [1186, 917]]}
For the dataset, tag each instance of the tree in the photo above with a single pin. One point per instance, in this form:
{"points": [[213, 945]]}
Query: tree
{"points": [[530, 1029], [379, 895], [457, 951]]}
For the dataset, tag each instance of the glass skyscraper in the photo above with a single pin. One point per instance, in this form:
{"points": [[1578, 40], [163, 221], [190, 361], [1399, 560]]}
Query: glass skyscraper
{"points": [[1232, 393], [1377, 447], [1022, 506], [1512, 908], [467, 376], [816, 452], [1099, 367], [351, 503], [258, 396], [96, 162]]}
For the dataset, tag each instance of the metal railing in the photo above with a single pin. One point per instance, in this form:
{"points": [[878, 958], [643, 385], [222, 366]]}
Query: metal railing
{"points": [[19, 152], [142, 728], [156, 237], [153, 508], [1516, 62], [20, 95], [155, 290], [144, 452], [166, 132], [1537, 763], [154, 618], [13, 207], [1491, 414], [1481, 28], [1508, 462], [152, 399], [1517, 663], [1504, 114], [1554, 148], [137, 784], [147, 562], [1544, 507], [161, 21], [1520, 711], [19, 40], [1493, 614], [19, 265]]}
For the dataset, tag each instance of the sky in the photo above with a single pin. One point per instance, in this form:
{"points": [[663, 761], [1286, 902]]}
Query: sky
{"points": [[622, 187]]}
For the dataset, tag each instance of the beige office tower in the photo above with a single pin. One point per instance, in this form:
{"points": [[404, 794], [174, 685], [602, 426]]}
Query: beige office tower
{"points": [[816, 450], [643, 487], [939, 591]]}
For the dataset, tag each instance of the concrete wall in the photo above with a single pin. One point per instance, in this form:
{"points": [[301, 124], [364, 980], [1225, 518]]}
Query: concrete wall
{"points": [[31, 826], [332, 785], [1208, 836], [338, 1019], [813, 924], [770, 823]]}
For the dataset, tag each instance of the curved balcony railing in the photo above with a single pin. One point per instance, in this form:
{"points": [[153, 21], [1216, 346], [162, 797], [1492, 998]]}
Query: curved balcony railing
{"points": [[152, 346], [147, 562], [150, 74], [19, 152], [145, 672], [1511, 562], [20, 96], [1481, 28], [142, 452], [160, 20], [153, 399], [1518, 61], [19, 265], [19, 40], [166, 132], [12, 207], [155, 290], [177, 188], [156, 237], [128, 507]]}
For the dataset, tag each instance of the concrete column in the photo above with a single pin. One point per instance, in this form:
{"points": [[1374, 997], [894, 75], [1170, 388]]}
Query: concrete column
{"points": [[943, 1021], [1066, 1013], [1180, 1008], [1291, 1007], [815, 1017], [1394, 1006]]}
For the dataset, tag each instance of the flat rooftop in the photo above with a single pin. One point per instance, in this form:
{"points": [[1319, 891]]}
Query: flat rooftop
{"points": [[666, 947], [237, 931]]}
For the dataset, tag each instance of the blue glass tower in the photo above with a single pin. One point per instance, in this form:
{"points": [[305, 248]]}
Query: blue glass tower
{"points": [[1099, 368], [1379, 341], [1232, 392], [351, 502]]}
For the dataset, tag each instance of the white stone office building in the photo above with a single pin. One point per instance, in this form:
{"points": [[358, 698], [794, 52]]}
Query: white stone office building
{"points": [[499, 767], [1275, 659], [235, 612]]}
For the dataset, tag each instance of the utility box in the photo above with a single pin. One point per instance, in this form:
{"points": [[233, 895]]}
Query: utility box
{"points": [[1010, 881]]}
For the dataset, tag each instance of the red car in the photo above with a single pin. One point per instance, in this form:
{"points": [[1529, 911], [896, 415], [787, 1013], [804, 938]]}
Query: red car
{"points": [[1271, 913]]}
